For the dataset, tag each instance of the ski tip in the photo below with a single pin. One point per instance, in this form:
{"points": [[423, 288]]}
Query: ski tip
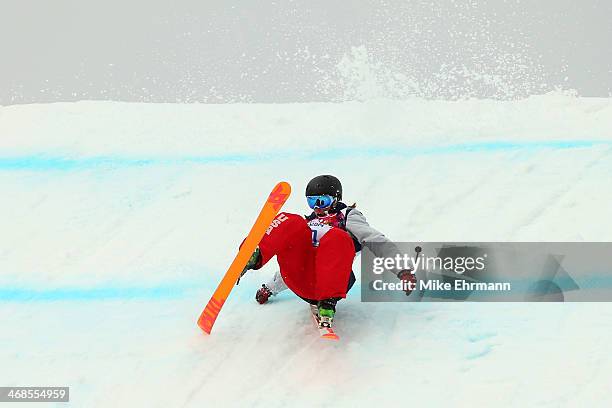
{"points": [[279, 195], [330, 336], [284, 185]]}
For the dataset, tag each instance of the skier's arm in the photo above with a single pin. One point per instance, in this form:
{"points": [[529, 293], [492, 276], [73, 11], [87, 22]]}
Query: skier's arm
{"points": [[357, 225]]}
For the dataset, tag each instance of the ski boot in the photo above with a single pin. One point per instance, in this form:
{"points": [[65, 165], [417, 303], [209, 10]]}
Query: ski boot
{"points": [[263, 294], [327, 310]]}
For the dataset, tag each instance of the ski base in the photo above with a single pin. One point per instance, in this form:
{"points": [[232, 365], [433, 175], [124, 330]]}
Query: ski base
{"points": [[326, 333], [268, 213]]}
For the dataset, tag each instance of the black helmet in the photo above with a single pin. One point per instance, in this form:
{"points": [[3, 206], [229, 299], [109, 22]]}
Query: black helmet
{"points": [[324, 184]]}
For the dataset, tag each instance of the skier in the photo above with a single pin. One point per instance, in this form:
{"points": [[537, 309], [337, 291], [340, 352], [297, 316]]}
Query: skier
{"points": [[315, 252]]}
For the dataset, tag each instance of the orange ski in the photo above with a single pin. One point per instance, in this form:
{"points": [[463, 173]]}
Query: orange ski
{"points": [[275, 201]]}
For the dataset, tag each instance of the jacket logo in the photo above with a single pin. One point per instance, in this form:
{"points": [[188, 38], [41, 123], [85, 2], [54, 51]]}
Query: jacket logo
{"points": [[276, 222]]}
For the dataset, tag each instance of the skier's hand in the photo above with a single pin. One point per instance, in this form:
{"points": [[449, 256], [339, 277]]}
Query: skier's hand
{"points": [[409, 279]]}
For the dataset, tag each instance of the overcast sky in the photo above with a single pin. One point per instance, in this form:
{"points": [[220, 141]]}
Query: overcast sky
{"points": [[307, 50]]}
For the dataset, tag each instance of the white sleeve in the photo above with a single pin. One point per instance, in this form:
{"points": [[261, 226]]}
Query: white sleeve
{"points": [[276, 284]]}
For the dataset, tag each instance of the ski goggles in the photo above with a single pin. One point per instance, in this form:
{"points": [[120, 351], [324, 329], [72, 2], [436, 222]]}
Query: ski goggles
{"points": [[320, 201]]}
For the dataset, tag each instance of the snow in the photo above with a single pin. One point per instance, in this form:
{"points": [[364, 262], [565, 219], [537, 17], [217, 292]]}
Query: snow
{"points": [[120, 219]]}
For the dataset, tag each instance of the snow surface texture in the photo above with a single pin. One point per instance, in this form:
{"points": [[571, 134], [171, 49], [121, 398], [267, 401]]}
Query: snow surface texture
{"points": [[119, 220]]}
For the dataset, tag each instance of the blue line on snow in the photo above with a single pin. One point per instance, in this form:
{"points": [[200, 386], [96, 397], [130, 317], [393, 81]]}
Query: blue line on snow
{"points": [[599, 281], [16, 294], [42, 162]]}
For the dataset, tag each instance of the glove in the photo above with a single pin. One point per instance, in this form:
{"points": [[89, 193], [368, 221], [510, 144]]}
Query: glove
{"points": [[410, 280], [253, 263], [263, 294]]}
